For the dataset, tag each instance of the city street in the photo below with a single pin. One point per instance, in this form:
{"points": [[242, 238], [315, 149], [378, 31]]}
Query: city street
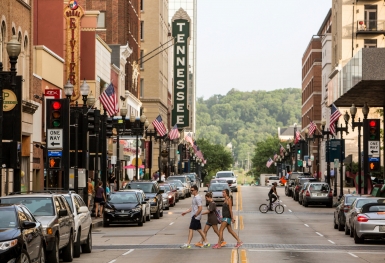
{"points": [[298, 235]]}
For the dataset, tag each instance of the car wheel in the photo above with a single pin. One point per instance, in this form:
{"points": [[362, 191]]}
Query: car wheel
{"points": [[305, 204], [105, 223], [334, 222], [24, 257], [141, 221], [167, 207], [161, 214], [148, 218], [157, 214], [358, 240], [77, 245], [330, 205], [340, 226], [53, 255], [68, 251], [347, 230], [351, 232], [42, 253], [87, 247]]}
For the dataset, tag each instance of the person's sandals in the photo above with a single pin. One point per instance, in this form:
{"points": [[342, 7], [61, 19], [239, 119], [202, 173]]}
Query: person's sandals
{"points": [[238, 244], [217, 246], [199, 244], [223, 243]]}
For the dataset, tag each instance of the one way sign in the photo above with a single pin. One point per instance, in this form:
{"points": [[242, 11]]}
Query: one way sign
{"points": [[374, 148], [54, 138]]}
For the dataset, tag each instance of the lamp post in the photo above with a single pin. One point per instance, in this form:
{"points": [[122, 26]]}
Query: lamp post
{"points": [[137, 126], [342, 130], [295, 148], [327, 133], [13, 50], [123, 113], [365, 112], [318, 137]]}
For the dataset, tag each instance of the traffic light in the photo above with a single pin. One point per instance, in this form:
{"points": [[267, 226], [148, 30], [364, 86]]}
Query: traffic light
{"points": [[57, 114], [299, 152], [374, 129], [374, 166], [109, 127], [93, 117]]}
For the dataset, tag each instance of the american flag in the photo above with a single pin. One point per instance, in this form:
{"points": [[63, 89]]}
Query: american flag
{"points": [[312, 127], [335, 115], [269, 162], [189, 139], [275, 157], [159, 125], [109, 100], [297, 137], [174, 133]]}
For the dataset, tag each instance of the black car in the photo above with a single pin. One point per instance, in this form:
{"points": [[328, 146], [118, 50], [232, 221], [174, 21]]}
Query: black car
{"points": [[124, 207], [289, 186], [342, 208], [21, 235], [153, 195]]}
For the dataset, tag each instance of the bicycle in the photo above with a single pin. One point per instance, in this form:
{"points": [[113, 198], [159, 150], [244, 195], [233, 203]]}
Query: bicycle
{"points": [[276, 206]]}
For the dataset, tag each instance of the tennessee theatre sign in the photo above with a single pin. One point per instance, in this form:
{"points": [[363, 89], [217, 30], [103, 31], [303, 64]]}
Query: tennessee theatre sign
{"points": [[181, 34], [73, 14]]}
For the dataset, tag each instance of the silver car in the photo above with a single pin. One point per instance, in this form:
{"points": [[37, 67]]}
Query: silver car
{"points": [[370, 223], [183, 191], [216, 190]]}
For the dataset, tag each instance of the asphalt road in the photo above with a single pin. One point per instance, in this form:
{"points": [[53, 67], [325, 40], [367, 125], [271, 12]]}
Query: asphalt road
{"points": [[298, 235]]}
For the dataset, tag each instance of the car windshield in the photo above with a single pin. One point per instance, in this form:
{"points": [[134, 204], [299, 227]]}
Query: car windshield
{"points": [[361, 202], [274, 178], [350, 199], [217, 187], [182, 179], [39, 206], [123, 197], [192, 177], [7, 217], [146, 187], [166, 188], [220, 175], [319, 187], [178, 183]]}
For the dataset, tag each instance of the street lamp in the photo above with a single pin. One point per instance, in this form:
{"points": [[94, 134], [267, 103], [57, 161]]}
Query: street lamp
{"points": [[295, 147], [365, 112], [327, 133], [342, 130], [123, 113]]}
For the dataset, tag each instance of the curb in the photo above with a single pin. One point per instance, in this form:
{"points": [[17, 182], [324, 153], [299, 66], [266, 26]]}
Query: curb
{"points": [[97, 224]]}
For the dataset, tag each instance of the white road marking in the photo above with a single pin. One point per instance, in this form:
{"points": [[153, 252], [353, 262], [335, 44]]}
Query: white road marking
{"points": [[318, 251], [331, 241], [353, 255], [284, 205], [112, 261], [319, 234], [306, 225], [128, 252], [171, 223], [289, 210]]}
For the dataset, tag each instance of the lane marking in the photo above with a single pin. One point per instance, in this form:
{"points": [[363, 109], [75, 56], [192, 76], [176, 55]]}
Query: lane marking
{"points": [[241, 225], [353, 255], [289, 210], [112, 261], [128, 252], [234, 256], [171, 223], [284, 205], [236, 223], [306, 225], [236, 203], [319, 234], [331, 241], [240, 201], [243, 256], [318, 251]]}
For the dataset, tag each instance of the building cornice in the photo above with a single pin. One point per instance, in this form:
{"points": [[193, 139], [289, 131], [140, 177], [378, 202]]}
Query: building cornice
{"points": [[181, 14], [49, 51]]}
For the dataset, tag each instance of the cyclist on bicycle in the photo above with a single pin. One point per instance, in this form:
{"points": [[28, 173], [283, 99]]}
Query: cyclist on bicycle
{"points": [[273, 195]]}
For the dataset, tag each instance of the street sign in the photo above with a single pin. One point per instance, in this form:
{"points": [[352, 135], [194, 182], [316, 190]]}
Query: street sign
{"points": [[55, 153], [335, 149], [54, 138], [374, 159], [374, 148]]}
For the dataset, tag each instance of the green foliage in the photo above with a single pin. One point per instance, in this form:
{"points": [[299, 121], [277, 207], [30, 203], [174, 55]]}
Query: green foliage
{"points": [[245, 118], [263, 151]]}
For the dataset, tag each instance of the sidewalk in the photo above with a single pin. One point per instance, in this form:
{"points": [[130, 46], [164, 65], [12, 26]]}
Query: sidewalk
{"points": [[346, 190], [97, 222]]}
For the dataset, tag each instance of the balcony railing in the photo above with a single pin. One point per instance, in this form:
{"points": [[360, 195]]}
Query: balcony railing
{"points": [[370, 27]]}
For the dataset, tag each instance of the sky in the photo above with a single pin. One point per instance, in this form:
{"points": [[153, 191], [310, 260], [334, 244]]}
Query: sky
{"points": [[253, 44]]}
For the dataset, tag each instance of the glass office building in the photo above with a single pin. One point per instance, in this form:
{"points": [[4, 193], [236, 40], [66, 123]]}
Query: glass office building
{"points": [[190, 6]]}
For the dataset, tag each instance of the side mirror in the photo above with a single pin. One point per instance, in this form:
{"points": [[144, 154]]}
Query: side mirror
{"points": [[63, 212], [82, 209], [29, 224], [161, 191]]}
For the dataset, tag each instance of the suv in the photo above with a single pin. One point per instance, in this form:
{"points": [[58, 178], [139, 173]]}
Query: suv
{"points": [[83, 223], [153, 195], [55, 215], [290, 184], [185, 181], [230, 178]]}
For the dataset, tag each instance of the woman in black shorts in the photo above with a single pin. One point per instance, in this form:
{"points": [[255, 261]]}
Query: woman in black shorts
{"points": [[99, 198]]}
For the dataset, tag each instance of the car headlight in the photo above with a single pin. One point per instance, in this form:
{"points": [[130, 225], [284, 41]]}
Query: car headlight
{"points": [[108, 210], [170, 196], [47, 231], [8, 244], [135, 209]]}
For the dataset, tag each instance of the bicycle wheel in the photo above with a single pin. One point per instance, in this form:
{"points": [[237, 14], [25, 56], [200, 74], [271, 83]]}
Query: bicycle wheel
{"points": [[279, 209], [263, 208]]}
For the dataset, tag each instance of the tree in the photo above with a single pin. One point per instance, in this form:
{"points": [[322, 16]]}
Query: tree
{"points": [[263, 151]]}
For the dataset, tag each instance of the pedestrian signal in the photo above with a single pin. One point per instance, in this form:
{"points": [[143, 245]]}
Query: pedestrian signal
{"points": [[54, 162]]}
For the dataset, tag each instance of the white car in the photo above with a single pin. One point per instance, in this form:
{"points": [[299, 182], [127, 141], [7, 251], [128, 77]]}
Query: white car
{"points": [[83, 223], [142, 198], [273, 179], [230, 178]]}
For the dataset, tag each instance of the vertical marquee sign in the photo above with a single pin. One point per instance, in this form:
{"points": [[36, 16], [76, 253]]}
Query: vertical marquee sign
{"points": [[181, 34], [73, 14]]}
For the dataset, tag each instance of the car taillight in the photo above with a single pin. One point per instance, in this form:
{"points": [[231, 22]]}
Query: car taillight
{"points": [[362, 218], [330, 194], [346, 208], [307, 193]]}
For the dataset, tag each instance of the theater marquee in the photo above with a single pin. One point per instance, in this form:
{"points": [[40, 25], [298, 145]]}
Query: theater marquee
{"points": [[181, 34], [73, 14]]}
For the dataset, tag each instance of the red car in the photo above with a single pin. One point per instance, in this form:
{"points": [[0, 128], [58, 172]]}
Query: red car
{"points": [[169, 195]]}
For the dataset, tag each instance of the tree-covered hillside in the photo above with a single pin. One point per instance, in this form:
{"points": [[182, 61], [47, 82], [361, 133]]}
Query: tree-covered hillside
{"points": [[244, 118]]}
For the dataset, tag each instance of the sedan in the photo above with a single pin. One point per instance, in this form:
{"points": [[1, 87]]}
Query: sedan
{"points": [[182, 190], [168, 196], [21, 235], [178, 192], [216, 190], [370, 223], [342, 208], [124, 207]]}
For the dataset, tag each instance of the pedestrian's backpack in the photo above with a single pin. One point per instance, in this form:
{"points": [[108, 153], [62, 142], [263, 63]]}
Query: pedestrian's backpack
{"points": [[219, 216]]}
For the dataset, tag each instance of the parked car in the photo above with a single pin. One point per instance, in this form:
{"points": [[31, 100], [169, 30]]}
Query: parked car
{"points": [[230, 177], [153, 195], [301, 193], [185, 181], [342, 208], [147, 206], [216, 190], [124, 207], [168, 195], [273, 179], [355, 209], [195, 180], [178, 192], [318, 194], [55, 215], [181, 189], [21, 235], [370, 222], [290, 182], [220, 180], [83, 223], [298, 184]]}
